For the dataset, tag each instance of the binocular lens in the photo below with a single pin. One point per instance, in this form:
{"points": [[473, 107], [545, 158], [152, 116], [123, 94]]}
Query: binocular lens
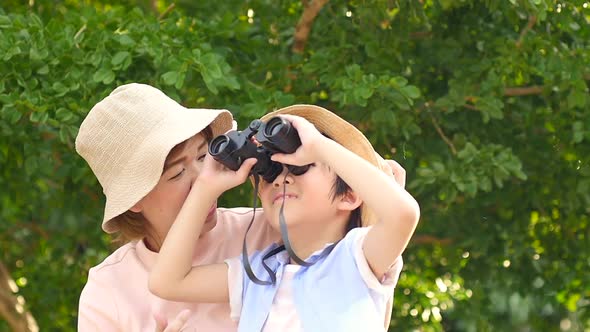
{"points": [[218, 144], [274, 126]]}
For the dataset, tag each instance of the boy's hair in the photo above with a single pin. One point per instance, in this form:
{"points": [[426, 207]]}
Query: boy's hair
{"points": [[133, 226], [340, 131], [340, 188]]}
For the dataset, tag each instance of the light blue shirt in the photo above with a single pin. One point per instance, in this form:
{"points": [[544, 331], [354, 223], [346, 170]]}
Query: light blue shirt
{"points": [[331, 295]]}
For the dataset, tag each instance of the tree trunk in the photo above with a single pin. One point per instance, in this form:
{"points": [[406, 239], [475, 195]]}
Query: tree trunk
{"points": [[12, 306]]}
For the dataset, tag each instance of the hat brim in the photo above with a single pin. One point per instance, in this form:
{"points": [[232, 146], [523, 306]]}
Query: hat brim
{"points": [[340, 131], [144, 169]]}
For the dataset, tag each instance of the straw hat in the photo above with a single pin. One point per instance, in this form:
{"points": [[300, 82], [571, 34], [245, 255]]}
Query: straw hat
{"points": [[126, 137], [340, 131]]}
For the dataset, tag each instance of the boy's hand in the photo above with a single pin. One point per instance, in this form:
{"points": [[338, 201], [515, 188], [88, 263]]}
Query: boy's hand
{"points": [[218, 178], [309, 136]]}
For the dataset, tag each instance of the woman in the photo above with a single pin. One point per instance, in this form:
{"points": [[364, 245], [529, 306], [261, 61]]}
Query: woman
{"points": [[146, 150]]}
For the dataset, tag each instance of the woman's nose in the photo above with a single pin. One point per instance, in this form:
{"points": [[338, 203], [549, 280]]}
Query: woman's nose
{"points": [[195, 168], [284, 177]]}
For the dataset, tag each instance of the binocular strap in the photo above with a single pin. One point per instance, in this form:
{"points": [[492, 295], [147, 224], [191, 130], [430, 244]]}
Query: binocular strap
{"points": [[286, 244]]}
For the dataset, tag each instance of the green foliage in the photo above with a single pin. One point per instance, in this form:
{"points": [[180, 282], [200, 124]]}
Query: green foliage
{"points": [[485, 103]]}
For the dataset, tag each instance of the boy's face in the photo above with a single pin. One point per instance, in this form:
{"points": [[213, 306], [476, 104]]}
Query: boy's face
{"points": [[308, 197], [183, 165]]}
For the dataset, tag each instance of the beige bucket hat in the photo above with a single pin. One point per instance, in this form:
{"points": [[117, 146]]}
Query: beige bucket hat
{"points": [[126, 137], [340, 131]]}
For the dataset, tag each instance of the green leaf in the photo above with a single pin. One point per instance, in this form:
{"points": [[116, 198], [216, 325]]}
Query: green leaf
{"points": [[44, 70], [60, 89], [120, 57], [14, 50], [31, 165], [491, 108], [400, 101], [103, 75], [170, 78], [180, 80], [125, 40], [398, 81], [5, 22], [36, 54], [12, 114], [363, 92], [577, 98], [411, 91], [574, 26], [578, 132], [63, 114], [63, 135]]}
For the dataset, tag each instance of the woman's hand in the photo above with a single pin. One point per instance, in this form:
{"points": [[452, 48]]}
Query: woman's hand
{"points": [[395, 170], [175, 325], [218, 178]]}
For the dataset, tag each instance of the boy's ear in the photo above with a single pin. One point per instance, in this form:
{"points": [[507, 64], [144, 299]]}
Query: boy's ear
{"points": [[349, 201]]}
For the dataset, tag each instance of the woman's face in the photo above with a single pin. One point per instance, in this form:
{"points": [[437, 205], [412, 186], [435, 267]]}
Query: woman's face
{"points": [[161, 205]]}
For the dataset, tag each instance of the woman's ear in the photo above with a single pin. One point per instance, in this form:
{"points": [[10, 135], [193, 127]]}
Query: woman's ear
{"points": [[349, 201], [137, 207]]}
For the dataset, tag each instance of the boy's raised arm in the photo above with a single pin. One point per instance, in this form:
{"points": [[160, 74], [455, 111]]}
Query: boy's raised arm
{"points": [[173, 277], [397, 211]]}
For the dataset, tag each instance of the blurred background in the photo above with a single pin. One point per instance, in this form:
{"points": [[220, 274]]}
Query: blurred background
{"points": [[485, 104]]}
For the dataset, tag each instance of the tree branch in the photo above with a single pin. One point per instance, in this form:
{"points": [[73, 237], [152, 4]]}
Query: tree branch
{"points": [[166, 11], [442, 135], [523, 91], [420, 34], [429, 239], [310, 11], [526, 29], [470, 107]]}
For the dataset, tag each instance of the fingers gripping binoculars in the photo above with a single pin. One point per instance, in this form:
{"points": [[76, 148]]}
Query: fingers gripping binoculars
{"points": [[275, 136]]}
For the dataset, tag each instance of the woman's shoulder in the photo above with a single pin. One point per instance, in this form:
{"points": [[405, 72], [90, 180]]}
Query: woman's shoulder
{"points": [[120, 259], [233, 223], [239, 213], [239, 218]]}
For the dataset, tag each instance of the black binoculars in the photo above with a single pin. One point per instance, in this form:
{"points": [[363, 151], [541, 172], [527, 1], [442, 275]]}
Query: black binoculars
{"points": [[275, 136]]}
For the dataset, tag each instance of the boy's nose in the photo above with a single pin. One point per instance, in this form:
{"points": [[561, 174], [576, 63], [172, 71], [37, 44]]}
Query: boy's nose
{"points": [[284, 177]]}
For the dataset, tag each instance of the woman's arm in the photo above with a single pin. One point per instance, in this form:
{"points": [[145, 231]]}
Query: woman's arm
{"points": [[97, 309]]}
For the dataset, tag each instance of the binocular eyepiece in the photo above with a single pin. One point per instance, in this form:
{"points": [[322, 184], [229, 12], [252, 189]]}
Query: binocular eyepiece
{"points": [[275, 136]]}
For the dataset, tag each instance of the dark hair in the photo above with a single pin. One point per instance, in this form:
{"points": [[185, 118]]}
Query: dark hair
{"points": [[340, 188]]}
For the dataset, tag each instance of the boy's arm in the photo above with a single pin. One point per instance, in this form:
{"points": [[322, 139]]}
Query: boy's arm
{"points": [[173, 277], [397, 211]]}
